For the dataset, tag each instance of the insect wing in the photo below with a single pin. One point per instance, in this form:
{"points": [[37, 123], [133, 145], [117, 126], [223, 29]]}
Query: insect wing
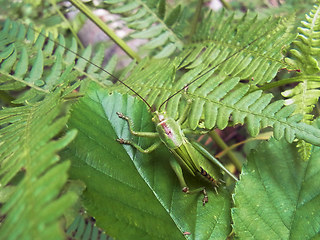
{"points": [[202, 161], [185, 157]]}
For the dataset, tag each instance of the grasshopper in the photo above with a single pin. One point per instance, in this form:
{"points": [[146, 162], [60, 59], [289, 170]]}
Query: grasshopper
{"points": [[188, 155]]}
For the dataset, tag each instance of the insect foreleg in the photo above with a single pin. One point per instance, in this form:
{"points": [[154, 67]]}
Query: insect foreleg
{"points": [[135, 133], [178, 171], [153, 147], [139, 134]]}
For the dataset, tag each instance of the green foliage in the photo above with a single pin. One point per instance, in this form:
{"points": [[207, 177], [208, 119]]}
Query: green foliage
{"points": [[304, 56], [82, 229], [28, 60], [28, 11], [230, 61], [150, 20], [31, 171], [218, 97], [277, 196], [258, 62], [140, 190], [276, 8]]}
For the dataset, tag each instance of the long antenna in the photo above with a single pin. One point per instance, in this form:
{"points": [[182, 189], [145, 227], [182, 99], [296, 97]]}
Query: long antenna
{"points": [[96, 65], [209, 70], [131, 89]]}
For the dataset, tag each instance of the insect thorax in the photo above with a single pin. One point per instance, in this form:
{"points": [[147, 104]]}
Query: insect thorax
{"points": [[169, 130]]}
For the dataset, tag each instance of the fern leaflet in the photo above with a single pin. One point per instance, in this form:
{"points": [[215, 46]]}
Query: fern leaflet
{"points": [[258, 63], [305, 58], [22, 50], [30, 167], [150, 20]]}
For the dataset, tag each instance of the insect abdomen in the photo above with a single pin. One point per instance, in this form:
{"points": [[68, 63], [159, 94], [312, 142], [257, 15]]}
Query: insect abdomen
{"points": [[208, 176]]}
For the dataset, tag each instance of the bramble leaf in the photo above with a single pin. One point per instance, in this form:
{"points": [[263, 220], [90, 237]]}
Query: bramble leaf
{"points": [[278, 194], [133, 191]]}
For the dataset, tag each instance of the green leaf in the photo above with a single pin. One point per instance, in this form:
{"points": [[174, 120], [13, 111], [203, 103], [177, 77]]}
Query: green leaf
{"points": [[161, 9], [256, 43], [173, 16], [126, 8], [157, 42], [166, 51], [31, 137], [133, 191], [217, 100], [38, 62], [149, 33], [37, 69], [278, 195], [149, 20], [304, 54], [82, 229]]}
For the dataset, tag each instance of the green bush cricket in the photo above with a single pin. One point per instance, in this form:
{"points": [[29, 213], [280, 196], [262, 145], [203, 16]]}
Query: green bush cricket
{"points": [[188, 155]]}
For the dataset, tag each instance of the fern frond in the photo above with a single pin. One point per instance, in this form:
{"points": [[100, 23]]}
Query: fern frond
{"points": [[52, 15], [28, 59], [306, 47], [231, 102], [29, 165], [304, 149], [150, 20], [286, 8], [82, 229], [217, 100], [258, 62], [305, 51], [305, 95]]}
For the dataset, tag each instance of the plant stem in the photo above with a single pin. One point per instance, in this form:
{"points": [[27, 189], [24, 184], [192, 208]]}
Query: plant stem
{"points": [[262, 136], [83, 8], [68, 23], [223, 145]]}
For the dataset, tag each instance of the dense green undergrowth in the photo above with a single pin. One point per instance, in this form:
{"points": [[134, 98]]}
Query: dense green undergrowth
{"points": [[251, 76]]}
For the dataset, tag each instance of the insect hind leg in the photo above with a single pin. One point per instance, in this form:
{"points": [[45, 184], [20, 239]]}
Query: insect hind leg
{"points": [[201, 190], [178, 171]]}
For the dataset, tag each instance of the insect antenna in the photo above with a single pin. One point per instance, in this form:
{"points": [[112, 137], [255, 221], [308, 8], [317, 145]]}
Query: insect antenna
{"points": [[208, 71], [96, 65]]}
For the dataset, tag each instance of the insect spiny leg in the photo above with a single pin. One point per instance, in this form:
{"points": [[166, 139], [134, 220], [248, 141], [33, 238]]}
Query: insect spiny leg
{"points": [[121, 115], [185, 189], [203, 191], [122, 141], [205, 198]]}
